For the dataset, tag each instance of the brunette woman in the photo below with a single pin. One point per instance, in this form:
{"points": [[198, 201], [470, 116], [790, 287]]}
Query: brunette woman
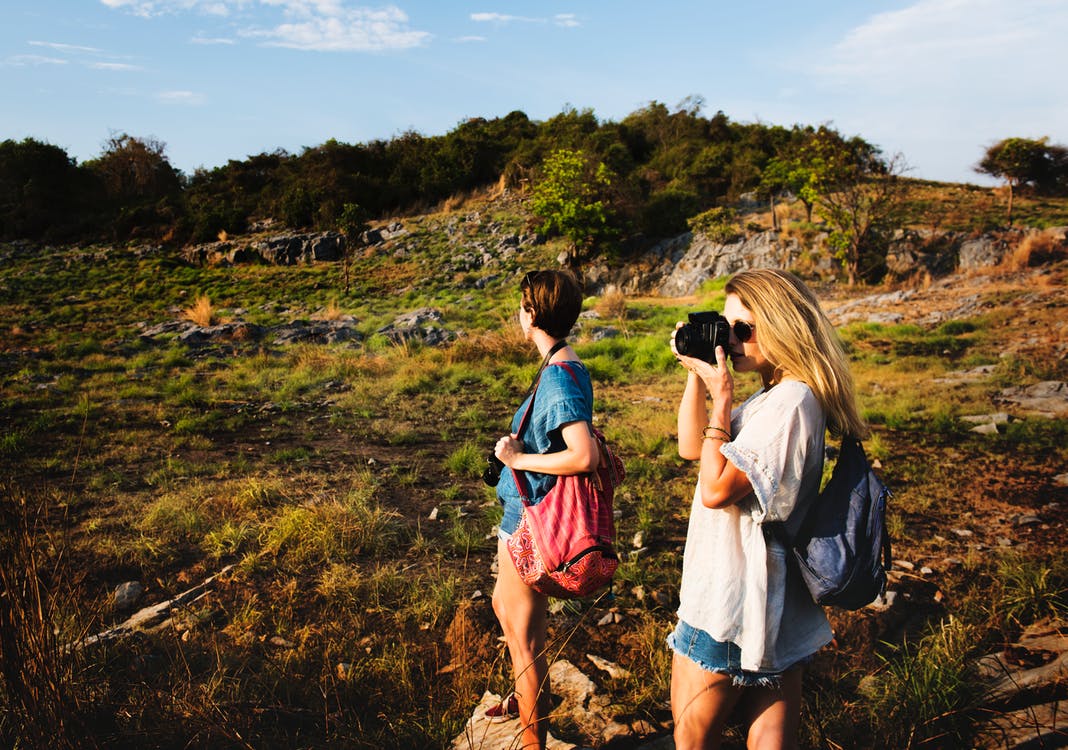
{"points": [[556, 441]]}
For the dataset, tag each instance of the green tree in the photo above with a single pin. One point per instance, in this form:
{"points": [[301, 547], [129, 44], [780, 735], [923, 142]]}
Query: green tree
{"points": [[39, 190], [570, 200], [136, 169], [352, 223], [789, 175], [141, 193], [1026, 161], [862, 201]]}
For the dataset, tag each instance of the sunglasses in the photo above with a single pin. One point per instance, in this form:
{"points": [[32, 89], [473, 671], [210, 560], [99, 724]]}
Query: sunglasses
{"points": [[742, 331], [528, 279]]}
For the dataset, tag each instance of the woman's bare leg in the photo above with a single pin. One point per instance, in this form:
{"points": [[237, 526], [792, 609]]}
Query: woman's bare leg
{"points": [[701, 704], [775, 714], [523, 614]]}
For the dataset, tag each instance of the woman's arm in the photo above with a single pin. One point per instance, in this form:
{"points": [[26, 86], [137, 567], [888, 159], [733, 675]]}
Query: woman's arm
{"points": [[702, 430], [580, 455], [693, 416]]}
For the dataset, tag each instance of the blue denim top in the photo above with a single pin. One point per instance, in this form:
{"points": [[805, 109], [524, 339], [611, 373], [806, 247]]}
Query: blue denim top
{"points": [[559, 400]]}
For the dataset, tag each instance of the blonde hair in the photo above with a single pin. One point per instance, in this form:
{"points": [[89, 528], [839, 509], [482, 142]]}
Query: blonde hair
{"points": [[795, 335]]}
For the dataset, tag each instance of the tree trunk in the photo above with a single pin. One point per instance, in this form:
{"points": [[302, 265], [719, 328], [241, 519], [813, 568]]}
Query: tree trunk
{"points": [[1010, 203], [774, 216]]}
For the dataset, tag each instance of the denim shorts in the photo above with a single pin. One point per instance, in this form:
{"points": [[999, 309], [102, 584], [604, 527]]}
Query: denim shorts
{"points": [[513, 511], [722, 657]]}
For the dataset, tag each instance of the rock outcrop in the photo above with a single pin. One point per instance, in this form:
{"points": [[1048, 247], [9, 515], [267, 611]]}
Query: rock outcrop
{"points": [[282, 250], [677, 267]]}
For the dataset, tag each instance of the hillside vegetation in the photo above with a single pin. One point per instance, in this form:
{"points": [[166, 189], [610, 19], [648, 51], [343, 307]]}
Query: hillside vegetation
{"points": [[334, 488]]}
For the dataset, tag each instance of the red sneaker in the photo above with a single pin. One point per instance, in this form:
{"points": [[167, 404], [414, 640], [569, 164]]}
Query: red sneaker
{"points": [[506, 710]]}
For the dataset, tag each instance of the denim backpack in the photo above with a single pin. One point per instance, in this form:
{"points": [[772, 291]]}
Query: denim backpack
{"points": [[841, 546]]}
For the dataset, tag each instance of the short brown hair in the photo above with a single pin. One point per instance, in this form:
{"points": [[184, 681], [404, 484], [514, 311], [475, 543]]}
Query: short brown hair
{"points": [[554, 300]]}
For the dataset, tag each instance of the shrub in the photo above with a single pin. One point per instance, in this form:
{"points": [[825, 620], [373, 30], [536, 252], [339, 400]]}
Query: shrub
{"points": [[928, 693], [1030, 589], [717, 224]]}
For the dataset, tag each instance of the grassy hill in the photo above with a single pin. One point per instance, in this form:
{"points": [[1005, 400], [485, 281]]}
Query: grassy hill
{"points": [[337, 485]]}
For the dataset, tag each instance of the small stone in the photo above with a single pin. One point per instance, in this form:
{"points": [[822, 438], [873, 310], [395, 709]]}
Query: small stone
{"points": [[904, 565], [477, 594], [614, 670], [608, 619], [433, 514], [126, 594], [282, 642], [1004, 541], [638, 541], [963, 533], [1027, 520], [925, 571], [885, 601]]}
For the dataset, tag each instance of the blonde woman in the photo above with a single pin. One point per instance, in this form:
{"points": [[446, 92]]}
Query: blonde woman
{"points": [[746, 622]]}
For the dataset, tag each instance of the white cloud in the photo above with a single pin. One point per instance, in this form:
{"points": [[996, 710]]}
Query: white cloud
{"points": [[567, 20], [939, 78], [189, 98], [149, 8], [323, 25], [90, 57], [468, 39], [114, 66], [503, 18], [939, 41], [24, 61], [69, 48], [205, 40]]}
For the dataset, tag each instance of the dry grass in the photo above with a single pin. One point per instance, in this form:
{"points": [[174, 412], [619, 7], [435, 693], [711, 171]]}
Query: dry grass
{"points": [[503, 343], [1036, 249], [201, 312], [42, 681], [613, 305], [331, 312]]}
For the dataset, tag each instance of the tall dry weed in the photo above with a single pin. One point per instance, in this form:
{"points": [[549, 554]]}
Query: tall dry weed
{"points": [[201, 312], [44, 694], [504, 343], [1036, 249], [331, 312], [613, 305]]}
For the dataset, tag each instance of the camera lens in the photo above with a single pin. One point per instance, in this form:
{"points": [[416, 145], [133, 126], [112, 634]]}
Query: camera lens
{"points": [[491, 475]]}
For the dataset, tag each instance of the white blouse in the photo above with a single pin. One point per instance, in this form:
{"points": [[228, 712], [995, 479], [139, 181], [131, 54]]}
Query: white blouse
{"points": [[736, 585]]}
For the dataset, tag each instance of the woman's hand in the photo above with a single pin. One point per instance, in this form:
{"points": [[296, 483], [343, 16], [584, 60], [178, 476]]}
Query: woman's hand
{"points": [[715, 377], [508, 449]]}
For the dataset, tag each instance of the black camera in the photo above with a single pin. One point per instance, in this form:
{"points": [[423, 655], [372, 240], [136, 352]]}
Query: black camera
{"points": [[702, 334], [492, 473]]}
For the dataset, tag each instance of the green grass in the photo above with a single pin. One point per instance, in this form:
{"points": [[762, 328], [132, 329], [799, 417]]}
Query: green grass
{"points": [[314, 469]]}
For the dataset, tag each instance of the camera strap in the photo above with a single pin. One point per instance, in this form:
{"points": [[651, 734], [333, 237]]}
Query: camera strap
{"points": [[534, 383], [532, 391]]}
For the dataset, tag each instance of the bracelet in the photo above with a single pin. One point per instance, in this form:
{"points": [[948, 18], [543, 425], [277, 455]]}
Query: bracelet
{"points": [[704, 433], [715, 437]]}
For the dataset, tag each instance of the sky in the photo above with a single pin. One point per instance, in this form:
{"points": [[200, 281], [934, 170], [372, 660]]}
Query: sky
{"points": [[936, 81]]}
